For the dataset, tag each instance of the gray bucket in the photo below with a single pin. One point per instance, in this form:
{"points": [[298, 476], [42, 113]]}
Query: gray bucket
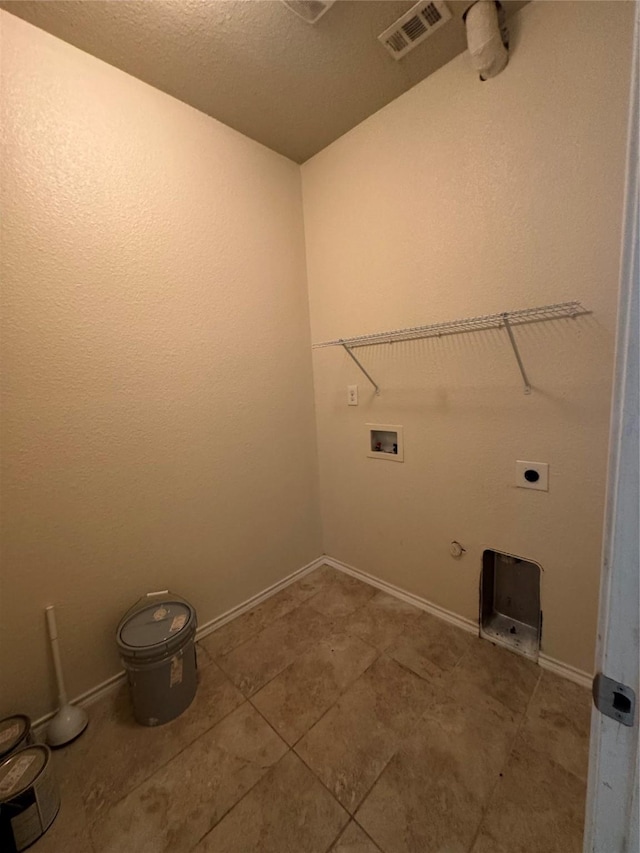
{"points": [[156, 641]]}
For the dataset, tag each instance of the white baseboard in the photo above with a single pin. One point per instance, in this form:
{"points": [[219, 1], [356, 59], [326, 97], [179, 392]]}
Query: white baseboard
{"points": [[565, 670], [250, 603], [111, 684], [446, 615], [93, 694]]}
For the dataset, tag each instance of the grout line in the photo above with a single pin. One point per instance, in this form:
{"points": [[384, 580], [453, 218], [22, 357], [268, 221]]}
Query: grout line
{"points": [[337, 838], [237, 802], [252, 636], [334, 840], [323, 783], [379, 654], [296, 753], [324, 714], [341, 693], [400, 741], [271, 726], [370, 837], [378, 777], [506, 762], [273, 677], [428, 679], [254, 633], [91, 822], [334, 629], [438, 683], [218, 660], [333, 705], [273, 766], [256, 600]]}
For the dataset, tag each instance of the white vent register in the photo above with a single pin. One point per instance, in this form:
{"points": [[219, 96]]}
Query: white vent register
{"points": [[421, 21]]}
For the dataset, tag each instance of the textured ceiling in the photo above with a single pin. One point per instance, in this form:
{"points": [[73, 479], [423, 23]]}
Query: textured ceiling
{"points": [[253, 64]]}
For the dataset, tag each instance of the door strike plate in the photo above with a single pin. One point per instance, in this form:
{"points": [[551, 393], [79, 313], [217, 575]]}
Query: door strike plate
{"points": [[614, 700]]}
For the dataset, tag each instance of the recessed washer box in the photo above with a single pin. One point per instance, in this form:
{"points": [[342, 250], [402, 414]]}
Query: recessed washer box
{"points": [[385, 441]]}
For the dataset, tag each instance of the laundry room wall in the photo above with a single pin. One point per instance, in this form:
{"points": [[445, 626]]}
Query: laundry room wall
{"points": [[465, 198], [157, 407]]}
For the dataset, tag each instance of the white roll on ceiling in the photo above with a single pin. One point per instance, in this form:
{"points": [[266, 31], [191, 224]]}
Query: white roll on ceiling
{"points": [[485, 39]]}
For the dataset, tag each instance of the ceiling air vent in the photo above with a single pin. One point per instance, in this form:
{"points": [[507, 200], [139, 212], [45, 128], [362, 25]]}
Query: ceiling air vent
{"points": [[414, 26]]}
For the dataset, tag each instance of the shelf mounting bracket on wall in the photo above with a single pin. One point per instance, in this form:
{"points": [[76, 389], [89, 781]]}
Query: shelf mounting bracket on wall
{"points": [[348, 351], [507, 319], [516, 352]]}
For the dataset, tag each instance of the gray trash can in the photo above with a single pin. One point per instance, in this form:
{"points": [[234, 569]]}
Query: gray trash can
{"points": [[156, 641]]}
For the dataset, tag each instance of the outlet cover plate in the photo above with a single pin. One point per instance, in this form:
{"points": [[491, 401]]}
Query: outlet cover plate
{"points": [[532, 475]]}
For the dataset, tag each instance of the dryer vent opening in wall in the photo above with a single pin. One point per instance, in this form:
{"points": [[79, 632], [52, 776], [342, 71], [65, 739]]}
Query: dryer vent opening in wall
{"points": [[510, 602]]}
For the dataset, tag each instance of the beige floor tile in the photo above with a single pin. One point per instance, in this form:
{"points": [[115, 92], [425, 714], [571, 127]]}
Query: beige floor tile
{"points": [[558, 721], [354, 840], [254, 663], [203, 657], [300, 695], [425, 764], [538, 807], [115, 754], [341, 596], [182, 801], [70, 830], [382, 619], [242, 628], [350, 746], [313, 582], [431, 795], [493, 671], [289, 811], [429, 646]]}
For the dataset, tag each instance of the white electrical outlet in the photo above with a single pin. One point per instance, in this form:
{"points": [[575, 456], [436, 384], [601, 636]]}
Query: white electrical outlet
{"points": [[532, 475], [352, 395]]}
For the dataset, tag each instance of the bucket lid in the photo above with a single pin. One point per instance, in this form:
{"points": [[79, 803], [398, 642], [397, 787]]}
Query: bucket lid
{"points": [[20, 770], [12, 731], [155, 625]]}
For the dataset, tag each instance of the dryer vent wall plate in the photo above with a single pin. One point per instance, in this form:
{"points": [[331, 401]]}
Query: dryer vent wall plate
{"points": [[532, 475]]}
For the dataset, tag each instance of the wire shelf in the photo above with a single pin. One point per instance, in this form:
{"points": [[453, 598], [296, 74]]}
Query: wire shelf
{"points": [[470, 324], [505, 320]]}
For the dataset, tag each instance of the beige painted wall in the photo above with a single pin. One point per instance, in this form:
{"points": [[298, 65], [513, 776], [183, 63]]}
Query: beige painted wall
{"points": [[463, 198], [157, 401]]}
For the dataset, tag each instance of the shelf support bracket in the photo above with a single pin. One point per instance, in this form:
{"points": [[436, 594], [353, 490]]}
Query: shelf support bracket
{"points": [[516, 352], [348, 351]]}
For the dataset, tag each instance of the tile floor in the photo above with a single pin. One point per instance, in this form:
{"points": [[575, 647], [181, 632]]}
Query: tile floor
{"points": [[333, 717]]}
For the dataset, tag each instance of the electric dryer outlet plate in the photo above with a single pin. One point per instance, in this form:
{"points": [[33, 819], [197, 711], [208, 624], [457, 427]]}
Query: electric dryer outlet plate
{"points": [[532, 475]]}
